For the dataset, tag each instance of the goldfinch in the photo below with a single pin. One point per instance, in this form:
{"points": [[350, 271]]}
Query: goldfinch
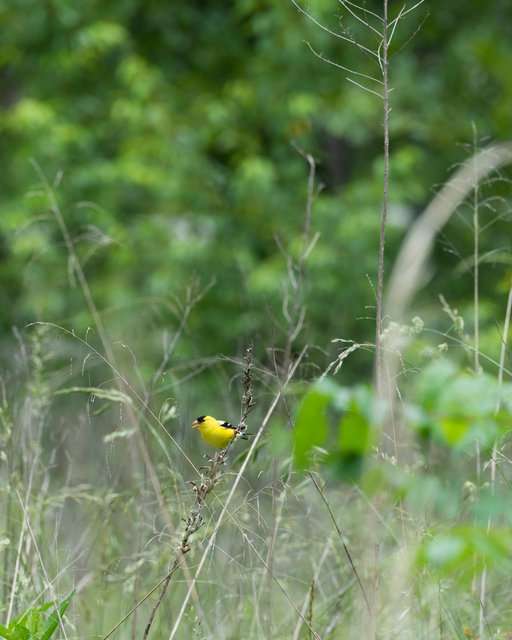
{"points": [[215, 432]]}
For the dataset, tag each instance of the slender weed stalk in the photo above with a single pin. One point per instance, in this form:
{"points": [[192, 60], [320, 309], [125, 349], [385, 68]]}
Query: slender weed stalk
{"points": [[384, 66], [476, 334], [294, 309], [476, 205], [476, 260]]}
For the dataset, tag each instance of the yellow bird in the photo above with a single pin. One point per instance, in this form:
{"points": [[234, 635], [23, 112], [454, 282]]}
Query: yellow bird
{"points": [[215, 432]]}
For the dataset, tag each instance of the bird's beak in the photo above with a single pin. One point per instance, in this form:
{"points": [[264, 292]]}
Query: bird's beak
{"points": [[196, 424]]}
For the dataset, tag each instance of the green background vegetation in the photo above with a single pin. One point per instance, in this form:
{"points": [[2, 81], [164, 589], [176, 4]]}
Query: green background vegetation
{"points": [[161, 147]]}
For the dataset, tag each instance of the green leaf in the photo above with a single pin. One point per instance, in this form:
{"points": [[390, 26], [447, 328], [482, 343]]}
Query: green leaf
{"points": [[18, 632], [458, 408], [5, 633], [310, 426], [467, 547], [445, 551], [53, 620], [432, 380], [453, 429], [354, 434]]}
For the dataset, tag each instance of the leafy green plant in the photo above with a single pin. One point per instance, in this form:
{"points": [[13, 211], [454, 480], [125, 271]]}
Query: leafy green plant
{"points": [[341, 424], [456, 407], [32, 624]]}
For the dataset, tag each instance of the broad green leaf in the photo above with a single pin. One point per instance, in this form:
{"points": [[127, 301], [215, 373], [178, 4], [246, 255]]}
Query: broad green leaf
{"points": [[453, 429], [53, 620], [5, 633], [18, 632], [431, 382], [358, 426], [445, 551], [354, 432], [467, 547], [458, 408], [311, 426], [470, 395]]}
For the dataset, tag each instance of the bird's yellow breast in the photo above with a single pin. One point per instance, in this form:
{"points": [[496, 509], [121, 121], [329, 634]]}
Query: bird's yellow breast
{"points": [[214, 432]]}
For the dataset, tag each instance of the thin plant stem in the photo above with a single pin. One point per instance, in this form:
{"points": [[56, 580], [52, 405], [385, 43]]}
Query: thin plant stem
{"points": [[504, 341], [316, 576], [297, 313], [411, 261], [378, 320], [476, 232], [494, 455], [385, 188], [345, 547], [75, 263]]}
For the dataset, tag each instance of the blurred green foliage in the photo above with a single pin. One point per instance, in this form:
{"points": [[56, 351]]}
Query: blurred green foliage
{"points": [[465, 548], [166, 134], [339, 424], [451, 418], [457, 408]]}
